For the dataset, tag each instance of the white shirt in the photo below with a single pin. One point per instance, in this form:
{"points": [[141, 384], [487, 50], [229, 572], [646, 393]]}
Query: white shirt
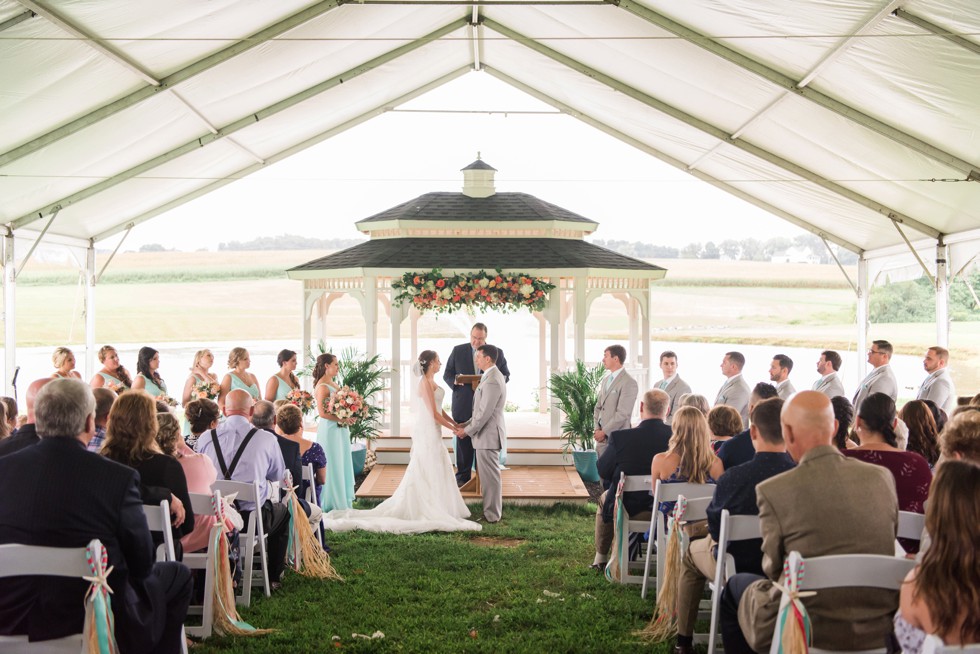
{"points": [[261, 461]]}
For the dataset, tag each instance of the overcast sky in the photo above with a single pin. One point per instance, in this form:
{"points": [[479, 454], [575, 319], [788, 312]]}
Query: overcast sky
{"points": [[400, 155]]}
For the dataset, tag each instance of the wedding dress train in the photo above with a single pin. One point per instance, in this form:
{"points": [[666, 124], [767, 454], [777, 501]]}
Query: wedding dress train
{"points": [[427, 498]]}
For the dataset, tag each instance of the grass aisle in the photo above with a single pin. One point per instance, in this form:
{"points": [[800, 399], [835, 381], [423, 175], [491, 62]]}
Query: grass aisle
{"points": [[520, 586]]}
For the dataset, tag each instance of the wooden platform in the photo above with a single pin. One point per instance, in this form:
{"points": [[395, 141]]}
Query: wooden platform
{"points": [[521, 484]]}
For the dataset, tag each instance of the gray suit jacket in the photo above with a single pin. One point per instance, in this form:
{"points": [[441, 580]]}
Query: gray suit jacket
{"points": [[735, 393], [939, 388], [486, 427], [615, 404], [675, 389], [826, 505], [785, 389], [830, 386], [879, 380]]}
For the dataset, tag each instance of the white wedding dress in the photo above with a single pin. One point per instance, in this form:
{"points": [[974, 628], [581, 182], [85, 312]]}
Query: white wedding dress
{"points": [[427, 498]]}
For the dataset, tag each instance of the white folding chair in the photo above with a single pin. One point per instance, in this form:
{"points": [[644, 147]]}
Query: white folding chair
{"points": [[933, 645], [310, 494], [910, 526], [17, 560], [668, 493], [845, 571], [254, 536], [631, 483], [158, 520], [199, 561], [732, 528]]}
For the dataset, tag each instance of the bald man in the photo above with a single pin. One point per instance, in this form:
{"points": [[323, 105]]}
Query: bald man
{"points": [[26, 435], [826, 505], [242, 452]]}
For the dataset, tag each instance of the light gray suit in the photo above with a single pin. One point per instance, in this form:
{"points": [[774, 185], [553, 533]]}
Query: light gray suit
{"points": [[879, 380], [488, 431], [674, 389], [785, 389], [830, 385], [735, 393], [614, 406], [939, 388]]}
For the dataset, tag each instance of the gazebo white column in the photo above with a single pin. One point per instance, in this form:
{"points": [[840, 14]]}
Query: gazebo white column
{"points": [[580, 313], [90, 280], [542, 362], [398, 314], [371, 314], [309, 301], [863, 293], [9, 312], [942, 295], [414, 315], [554, 312], [644, 301]]}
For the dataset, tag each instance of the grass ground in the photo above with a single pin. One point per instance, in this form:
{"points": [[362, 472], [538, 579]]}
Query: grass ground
{"points": [[522, 585]]}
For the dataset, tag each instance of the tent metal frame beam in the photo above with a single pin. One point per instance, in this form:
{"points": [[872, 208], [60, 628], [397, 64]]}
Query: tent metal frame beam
{"points": [[240, 124], [279, 156], [793, 86], [178, 77], [16, 20], [91, 41], [676, 163], [711, 130], [908, 243], [938, 31], [112, 255], [843, 270], [37, 242]]}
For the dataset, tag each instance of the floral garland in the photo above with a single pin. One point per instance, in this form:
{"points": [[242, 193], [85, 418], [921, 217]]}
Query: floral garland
{"points": [[505, 292]]}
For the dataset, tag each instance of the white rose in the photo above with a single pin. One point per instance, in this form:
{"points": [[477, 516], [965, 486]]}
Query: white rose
{"points": [[446, 293], [526, 290], [484, 282]]}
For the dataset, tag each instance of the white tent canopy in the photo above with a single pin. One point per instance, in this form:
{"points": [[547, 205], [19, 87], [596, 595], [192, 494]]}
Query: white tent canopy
{"points": [[858, 120]]}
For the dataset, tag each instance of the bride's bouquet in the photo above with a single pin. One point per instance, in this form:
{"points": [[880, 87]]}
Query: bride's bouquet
{"points": [[302, 399], [206, 389], [347, 405]]}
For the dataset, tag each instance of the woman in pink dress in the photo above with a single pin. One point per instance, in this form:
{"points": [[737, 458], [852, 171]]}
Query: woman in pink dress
{"points": [[198, 470]]}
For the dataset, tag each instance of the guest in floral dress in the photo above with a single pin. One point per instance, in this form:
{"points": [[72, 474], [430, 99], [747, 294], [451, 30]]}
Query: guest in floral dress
{"points": [[202, 415], [689, 457], [289, 422]]}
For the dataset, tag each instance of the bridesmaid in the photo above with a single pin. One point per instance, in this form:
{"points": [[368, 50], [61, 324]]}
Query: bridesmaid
{"points": [[283, 381], [64, 364], [238, 376], [147, 378], [338, 490], [112, 376], [200, 371]]}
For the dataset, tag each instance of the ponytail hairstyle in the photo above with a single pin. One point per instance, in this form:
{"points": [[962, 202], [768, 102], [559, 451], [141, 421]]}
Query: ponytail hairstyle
{"points": [[425, 360], [121, 373], [284, 356], [143, 359], [877, 412], [320, 368], [844, 412]]}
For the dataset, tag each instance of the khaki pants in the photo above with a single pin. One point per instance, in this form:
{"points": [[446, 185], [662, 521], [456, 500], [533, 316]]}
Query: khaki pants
{"points": [[697, 566], [604, 531]]}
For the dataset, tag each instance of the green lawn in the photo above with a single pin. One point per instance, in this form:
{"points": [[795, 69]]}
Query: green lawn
{"points": [[522, 585]]}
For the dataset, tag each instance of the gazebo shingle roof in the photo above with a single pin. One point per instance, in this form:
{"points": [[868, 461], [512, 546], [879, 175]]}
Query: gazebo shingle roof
{"points": [[471, 253], [456, 207]]}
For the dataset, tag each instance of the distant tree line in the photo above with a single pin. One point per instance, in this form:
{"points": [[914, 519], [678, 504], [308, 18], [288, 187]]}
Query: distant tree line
{"points": [[915, 301], [290, 242], [748, 249]]}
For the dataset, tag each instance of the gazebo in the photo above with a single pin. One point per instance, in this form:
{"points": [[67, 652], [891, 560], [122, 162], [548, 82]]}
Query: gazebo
{"points": [[480, 229]]}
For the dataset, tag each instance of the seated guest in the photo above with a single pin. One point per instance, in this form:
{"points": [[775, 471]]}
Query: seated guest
{"points": [[961, 438], [130, 439], [149, 600], [738, 449], [289, 423], [259, 460], [630, 451], [735, 492], [876, 428], [10, 411], [689, 457], [201, 415], [26, 435], [938, 415], [64, 364], [938, 594], [198, 471], [4, 427], [724, 422], [923, 433], [849, 618], [103, 403], [844, 413], [699, 402]]}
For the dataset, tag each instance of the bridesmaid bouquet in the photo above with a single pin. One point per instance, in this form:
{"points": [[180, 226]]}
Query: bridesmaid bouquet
{"points": [[302, 399], [171, 402], [347, 405], [207, 389]]}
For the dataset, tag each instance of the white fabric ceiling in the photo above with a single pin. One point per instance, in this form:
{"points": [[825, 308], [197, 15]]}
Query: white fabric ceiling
{"points": [[842, 116]]}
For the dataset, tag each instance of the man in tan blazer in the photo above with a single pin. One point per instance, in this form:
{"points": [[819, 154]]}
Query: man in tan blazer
{"points": [[617, 397], [828, 504]]}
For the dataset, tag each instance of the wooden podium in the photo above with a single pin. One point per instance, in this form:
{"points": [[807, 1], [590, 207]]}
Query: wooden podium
{"points": [[473, 485]]}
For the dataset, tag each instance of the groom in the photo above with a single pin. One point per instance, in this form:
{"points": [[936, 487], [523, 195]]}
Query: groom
{"points": [[487, 430]]}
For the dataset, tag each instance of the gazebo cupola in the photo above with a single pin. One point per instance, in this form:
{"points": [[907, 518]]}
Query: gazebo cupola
{"points": [[478, 179]]}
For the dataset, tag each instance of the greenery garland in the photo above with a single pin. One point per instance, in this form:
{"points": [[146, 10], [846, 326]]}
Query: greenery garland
{"points": [[504, 292]]}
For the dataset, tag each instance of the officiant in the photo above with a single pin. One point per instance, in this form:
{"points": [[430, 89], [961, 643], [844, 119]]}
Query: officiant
{"points": [[462, 362]]}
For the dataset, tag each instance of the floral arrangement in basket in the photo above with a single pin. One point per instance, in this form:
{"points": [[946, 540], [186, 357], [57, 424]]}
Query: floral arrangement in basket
{"points": [[302, 399], [505, 292], [347, 405], [206, 389]]}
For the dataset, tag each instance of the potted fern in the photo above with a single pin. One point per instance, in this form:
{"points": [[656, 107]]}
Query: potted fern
{"points": [[575, 392], [364, 375]]}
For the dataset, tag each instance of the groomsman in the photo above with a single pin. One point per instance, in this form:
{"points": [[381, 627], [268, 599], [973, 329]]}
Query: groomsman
{"points": [[879, 380], [779, 371], [938, 386], [462, 361], [672, 384], [617, 397], [735, 391], [829, 383]]}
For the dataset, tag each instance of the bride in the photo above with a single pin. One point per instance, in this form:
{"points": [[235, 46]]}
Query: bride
{"points": [[427, 498]]}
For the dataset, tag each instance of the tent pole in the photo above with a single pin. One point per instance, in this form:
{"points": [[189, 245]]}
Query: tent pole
{"points": [[307, 334], [9, 313], [942, 295], [90, 280], [863, 291]]}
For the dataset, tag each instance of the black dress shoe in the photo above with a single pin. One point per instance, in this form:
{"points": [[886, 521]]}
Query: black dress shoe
{"points": [[598, 567], [683, 649]]}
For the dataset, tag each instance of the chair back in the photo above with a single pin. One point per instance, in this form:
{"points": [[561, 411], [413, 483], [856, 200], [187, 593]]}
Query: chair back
{"points": [[732, 528], [634, 483], [910, 525], [158, 520], [251, 540]]}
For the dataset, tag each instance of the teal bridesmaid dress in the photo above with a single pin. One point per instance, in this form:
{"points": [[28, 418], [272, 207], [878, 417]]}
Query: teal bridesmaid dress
{"points": [[152, 388], [252, 389], [283, 389], [338, 488]]}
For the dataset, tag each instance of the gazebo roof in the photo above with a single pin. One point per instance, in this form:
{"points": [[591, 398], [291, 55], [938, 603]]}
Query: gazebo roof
{"points": [[457, 207], [524, 254]]}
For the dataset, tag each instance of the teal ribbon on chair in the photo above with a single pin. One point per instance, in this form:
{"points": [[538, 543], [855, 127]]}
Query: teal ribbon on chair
{"points": [[794, 630], [99, 631], [226, 618], [620, 545]]}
